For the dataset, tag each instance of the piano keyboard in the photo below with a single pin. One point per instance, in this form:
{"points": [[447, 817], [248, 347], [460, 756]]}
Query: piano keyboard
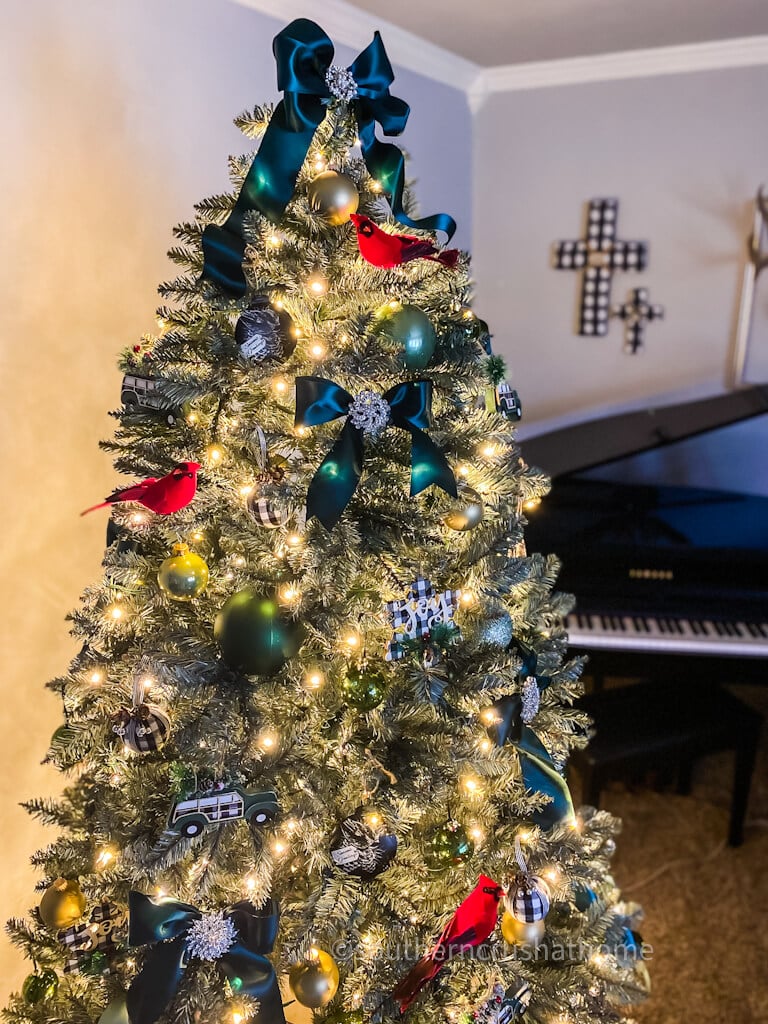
{"points": [[668, 635]]}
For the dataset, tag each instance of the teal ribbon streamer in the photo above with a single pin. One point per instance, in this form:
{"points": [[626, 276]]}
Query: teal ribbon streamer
{"points": [[319, 401], [303, 54], [540, 776], [164, 922]]}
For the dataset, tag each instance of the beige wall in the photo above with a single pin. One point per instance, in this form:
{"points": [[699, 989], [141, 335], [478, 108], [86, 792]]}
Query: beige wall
{"points": [[115, 118]]}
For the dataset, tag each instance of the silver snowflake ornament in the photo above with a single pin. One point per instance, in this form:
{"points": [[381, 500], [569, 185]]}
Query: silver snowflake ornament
{"points": [[211, 936], [341, 83], [369, 412], [531, 699]]}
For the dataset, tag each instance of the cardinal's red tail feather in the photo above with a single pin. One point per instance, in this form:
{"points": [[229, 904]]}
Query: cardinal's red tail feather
{"points": [[448, 257], [102, 504], [408, 988]]}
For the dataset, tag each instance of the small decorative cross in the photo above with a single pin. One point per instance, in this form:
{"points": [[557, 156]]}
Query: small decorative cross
{"points": [[598, 256], [636, 312]]}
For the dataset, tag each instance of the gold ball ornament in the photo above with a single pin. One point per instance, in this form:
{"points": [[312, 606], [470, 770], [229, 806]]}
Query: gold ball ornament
{"points": [[467, 510], [315, 980], [521, 933], [184, 575], [333, 197], [63, 904]]}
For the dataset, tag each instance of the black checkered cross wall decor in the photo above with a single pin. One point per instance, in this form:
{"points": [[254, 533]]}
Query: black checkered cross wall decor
{"points": [[597, 256], [636, 312]]}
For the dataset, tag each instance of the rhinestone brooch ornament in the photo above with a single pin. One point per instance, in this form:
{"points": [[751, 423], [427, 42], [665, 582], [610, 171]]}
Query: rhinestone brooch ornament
{"points": [[211, 936], [531, 699], [369, 412], [340, 83]]}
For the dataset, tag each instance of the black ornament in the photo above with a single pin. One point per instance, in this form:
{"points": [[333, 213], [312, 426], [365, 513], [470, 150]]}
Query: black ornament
{"points": [[359, 849], [263, 332]]}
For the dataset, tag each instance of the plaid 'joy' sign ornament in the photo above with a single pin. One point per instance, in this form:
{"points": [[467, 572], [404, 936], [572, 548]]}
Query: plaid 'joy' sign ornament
{"points": [[416, 617], [98, 935]]}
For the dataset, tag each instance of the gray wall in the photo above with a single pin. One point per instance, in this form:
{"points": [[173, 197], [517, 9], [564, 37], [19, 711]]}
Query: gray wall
{"points": [[684, 154], [115, 119]]}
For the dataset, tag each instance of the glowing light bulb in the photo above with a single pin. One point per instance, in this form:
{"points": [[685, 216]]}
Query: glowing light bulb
{"points": [[294, 539], [352, 640], [467, 597], [320, 163], [160, 893], [96, 677], [115, 613], [376, 186], [471, 784], [488, 451], [237, 1017], [317, 351], [197, 537], [104, 857], [280, 385], [477, 834], [192, 419], [317, 284], [246, 489], [531, 504], [489, 716], [215, 454], [315, 680], [238, 561], [250, 884], [278, 847], [485, 745], [278, 304], [267, 741], [373, 819], [138, 518], [463, 470], [551, 874], [290, 593], [274, 240], [291, 825], [524, 836]]}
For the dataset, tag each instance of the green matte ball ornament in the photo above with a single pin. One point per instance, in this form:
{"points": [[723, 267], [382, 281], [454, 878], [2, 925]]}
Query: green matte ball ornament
{"points": [[364, 687], [116, 1011], [411, 328], [255, 635], [39, 986], [448, 845], [466, 512], [333, 196], [315, 980], [184, 575]]}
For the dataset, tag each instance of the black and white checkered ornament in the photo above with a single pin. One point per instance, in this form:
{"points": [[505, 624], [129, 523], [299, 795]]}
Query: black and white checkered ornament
{"points": [[264, 333], [100, 933], [528, 897], [359, 849], [266, 511], [415, 616], [143, 727]]}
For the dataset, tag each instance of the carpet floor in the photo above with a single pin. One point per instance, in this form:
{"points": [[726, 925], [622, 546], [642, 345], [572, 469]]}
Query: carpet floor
{"points": [[706, 904]]}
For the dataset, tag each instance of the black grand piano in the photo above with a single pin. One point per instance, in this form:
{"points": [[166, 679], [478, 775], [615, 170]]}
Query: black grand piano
{"points": [[669, 580]]}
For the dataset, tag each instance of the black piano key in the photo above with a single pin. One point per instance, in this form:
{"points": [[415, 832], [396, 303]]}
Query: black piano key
{"points": [[719, 628], [762, 629], [661, 625], [753, 630]]}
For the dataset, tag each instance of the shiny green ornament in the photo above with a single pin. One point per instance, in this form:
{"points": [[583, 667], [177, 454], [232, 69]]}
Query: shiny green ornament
{"points": [[448, 845], [255, 635], [412, 329], [364, 687], [94, 964], [39, 986], [184, 575], [466, 511], [116, 1011], [345, 1017]]}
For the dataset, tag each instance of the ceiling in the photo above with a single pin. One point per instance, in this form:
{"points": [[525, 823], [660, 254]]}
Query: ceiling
{"points": [[498, 32]]}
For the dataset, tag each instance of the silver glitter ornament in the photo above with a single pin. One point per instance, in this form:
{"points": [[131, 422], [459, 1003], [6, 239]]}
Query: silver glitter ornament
{"points": [[369, 412], [211, 936], [340, 83], [497, 630], [531, 699]]}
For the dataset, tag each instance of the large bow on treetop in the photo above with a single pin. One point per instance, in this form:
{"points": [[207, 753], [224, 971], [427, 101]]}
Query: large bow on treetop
{"points": [[305, 75], [236, 938], [407, 405]]}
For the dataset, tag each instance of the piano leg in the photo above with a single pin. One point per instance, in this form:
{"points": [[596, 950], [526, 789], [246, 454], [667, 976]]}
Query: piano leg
{"points": [[746, 752]]}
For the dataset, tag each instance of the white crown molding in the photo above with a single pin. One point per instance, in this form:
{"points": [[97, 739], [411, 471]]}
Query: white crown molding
{"points": [[608, 67], [350, 26]]}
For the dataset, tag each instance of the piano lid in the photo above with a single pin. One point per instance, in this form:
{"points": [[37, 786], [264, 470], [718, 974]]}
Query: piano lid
{"points": [[596, 442]]}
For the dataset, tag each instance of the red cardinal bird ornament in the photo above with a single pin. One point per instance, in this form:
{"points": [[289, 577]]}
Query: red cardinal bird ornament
{"points": [[472, 923], [386, 251], [164, 495]]}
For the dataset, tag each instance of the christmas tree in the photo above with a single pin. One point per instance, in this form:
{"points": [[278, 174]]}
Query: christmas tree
{"points": [[316, 731]]}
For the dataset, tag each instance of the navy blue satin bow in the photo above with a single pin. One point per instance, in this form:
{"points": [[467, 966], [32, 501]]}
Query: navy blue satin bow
{"points": [[165, 922], [410, 405], [303, 53]]}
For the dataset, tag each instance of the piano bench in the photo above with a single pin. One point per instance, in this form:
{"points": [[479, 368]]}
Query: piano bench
{"points": [[654, 725]]}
